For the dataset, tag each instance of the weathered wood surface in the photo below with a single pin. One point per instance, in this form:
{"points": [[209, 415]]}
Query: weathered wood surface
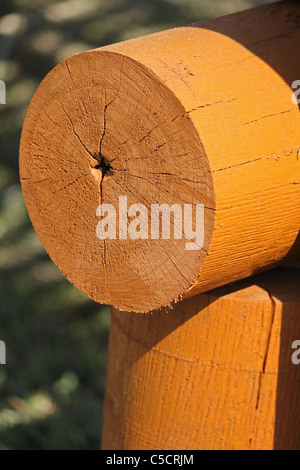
{"points": [[195, 115], [214, 373]]}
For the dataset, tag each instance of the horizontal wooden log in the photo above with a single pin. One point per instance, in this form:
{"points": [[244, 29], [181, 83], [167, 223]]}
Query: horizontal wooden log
{"points": [[214, 373], [202, 115]]}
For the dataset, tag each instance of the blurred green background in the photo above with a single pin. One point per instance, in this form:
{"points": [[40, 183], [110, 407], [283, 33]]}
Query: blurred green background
{"points": [[51, 389]]}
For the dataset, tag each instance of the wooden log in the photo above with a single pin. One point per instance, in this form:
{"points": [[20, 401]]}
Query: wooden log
{"points": [[202, 115], [214, 373]]}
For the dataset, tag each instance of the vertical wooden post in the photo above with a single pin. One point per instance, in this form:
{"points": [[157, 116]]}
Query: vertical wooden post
{"points": [[213, 373]]}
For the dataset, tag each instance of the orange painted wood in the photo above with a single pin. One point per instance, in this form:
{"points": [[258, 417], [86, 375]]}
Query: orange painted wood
{"points": [[201, 114], [213, 373]]}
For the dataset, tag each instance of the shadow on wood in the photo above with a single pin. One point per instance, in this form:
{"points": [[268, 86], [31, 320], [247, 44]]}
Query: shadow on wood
{"points": [[214, 373]]}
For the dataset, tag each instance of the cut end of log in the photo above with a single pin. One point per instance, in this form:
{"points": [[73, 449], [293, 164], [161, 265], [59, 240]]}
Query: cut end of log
{"points": [[103, 129], [193, 117]]}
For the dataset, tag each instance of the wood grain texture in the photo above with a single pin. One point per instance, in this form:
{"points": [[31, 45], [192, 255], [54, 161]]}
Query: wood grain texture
{"points": [[213, 373], [198, 114]]}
